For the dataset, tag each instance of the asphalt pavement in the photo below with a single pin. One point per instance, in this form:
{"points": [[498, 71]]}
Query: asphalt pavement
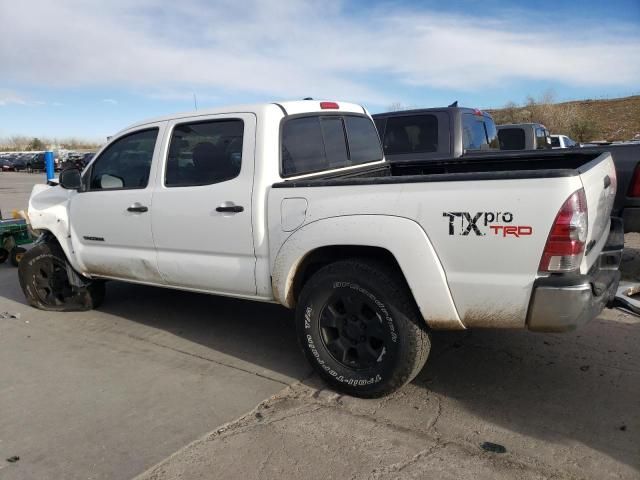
{"points": [[166, 384]]}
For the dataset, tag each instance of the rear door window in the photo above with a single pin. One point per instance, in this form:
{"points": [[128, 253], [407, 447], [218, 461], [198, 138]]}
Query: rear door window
{"points": [[511, 138], [411, 134], [204, 153], [325, 142]]}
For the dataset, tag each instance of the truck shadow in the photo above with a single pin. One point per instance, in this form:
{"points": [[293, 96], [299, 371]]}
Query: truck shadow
{"points": [[261, 334], [561, 389]]}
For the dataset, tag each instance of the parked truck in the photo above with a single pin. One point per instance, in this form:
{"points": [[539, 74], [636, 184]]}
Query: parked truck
{"points": [[562, 141], [523, 136], [470, 135], [294, 203]]}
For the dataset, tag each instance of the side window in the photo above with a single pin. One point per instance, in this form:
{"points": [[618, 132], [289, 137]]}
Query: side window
{"points": [[126, 163], [555, 141], [541, 138], [511, 138], [204, 153], [325, 142], [474, 135], [411, 134], [492, 132], [380, 125]]}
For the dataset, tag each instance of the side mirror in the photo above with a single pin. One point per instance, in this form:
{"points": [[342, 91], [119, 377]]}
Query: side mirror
{"points": [[70, 179]]}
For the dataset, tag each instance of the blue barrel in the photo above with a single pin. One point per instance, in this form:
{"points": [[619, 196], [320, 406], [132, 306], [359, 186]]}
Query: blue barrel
{"points": [[48, 164]]}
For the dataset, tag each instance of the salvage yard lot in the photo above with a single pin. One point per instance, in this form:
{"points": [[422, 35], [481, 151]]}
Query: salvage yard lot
{"points": [[111, 393]]}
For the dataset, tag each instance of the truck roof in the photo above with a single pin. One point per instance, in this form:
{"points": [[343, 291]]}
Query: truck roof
{"points": [[289, 108], [523, 124], [419, 111]]}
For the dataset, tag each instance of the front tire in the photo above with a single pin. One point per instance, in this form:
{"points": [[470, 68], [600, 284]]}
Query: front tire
{"points": [[16, 255], [45, 282], [360, 328]]}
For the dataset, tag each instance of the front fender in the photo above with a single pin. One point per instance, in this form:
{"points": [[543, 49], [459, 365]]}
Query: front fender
{"points": [[49, 212], [403, 238]]}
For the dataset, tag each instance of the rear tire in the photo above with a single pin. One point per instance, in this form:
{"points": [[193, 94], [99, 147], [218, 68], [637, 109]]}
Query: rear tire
{"points": [[360, 328], [44, 280], [4, 254]]}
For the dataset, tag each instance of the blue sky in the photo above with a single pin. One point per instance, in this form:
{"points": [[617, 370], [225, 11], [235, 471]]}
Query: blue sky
{"points": [[75, 68]]}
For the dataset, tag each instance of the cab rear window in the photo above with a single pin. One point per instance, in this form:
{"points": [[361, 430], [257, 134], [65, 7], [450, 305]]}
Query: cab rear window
{"points": [[324, 142], [478, 132], [511, 138], [411, 134]]}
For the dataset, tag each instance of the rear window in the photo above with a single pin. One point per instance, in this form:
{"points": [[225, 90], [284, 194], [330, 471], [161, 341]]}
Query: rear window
{"points": [[511, 138], [324, 142], [411, 134], [478, 132]]}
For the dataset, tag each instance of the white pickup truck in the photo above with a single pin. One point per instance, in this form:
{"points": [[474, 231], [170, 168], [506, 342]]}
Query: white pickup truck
{"points": [[294, 203]]}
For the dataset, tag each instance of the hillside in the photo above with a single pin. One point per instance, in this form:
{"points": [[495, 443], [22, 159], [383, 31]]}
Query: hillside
{"points": [[584, 120]]}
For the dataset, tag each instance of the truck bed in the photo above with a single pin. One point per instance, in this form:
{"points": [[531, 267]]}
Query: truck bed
{"points": [[490, 275], [492, 166]]}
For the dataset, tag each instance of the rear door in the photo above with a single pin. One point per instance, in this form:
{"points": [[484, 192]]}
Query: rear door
{"points": [[202, 224]]}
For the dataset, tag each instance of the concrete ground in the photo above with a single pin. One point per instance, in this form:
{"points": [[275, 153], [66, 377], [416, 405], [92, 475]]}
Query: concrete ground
{"points": [[110, 393], [15, 188]]}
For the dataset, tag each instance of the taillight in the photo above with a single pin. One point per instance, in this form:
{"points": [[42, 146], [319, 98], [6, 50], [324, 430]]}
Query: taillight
{"points": [[565, 245], [634, 188], [329, 106]]}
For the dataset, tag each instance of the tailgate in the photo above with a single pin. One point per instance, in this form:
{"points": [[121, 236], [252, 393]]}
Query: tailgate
{"points": [[599, 182]]}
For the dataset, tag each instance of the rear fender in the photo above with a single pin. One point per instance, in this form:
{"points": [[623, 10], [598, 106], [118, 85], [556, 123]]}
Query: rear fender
{"points": [[403, 238]]}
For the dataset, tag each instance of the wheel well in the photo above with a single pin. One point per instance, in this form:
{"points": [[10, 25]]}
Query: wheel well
{"points": [[323, 256]]}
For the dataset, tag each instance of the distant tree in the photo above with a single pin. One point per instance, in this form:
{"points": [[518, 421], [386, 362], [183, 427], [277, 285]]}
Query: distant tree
{"points": [[584, 129], [36, 144]]}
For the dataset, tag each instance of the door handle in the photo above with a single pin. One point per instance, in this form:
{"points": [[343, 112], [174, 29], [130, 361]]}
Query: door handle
{"points": [[136, 207], [607, 181], [229, 207]]}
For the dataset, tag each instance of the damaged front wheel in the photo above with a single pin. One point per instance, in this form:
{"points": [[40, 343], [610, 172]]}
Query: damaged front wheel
{"points": [[44, 277]]}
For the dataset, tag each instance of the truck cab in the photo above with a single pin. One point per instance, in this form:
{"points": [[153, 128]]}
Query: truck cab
{"points": [[524, 136], [435, 133]]}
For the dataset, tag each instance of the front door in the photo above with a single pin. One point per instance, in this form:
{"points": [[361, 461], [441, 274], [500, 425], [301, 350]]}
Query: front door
{"points": [[111, 217], [202, 225]]}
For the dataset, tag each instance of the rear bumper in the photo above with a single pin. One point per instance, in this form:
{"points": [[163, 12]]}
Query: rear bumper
{"points": [[631, 217], [565, 302]]}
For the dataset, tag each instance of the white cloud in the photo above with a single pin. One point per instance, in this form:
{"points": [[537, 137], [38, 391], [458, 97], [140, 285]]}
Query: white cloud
{"points": [[110, 101], [8, 97], [296, 48]]}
